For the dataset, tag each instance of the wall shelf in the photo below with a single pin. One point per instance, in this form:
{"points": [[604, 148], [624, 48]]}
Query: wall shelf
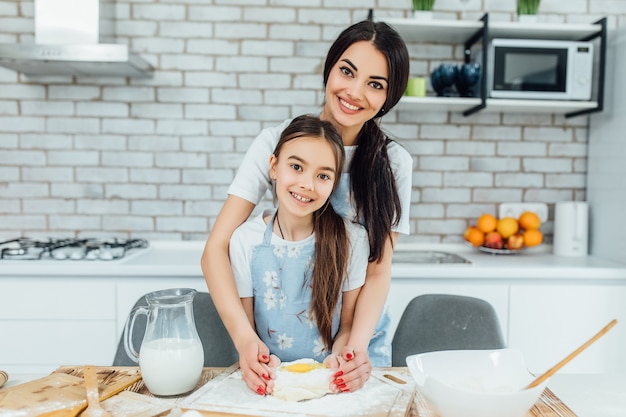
{"points": [[468, 33], [459, 104], [458, 31], [454, 104], [437, 31]]}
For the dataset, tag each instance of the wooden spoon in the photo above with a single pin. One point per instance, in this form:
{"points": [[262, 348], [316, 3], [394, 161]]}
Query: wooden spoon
{"points": [[571, 356], [94, 409]]}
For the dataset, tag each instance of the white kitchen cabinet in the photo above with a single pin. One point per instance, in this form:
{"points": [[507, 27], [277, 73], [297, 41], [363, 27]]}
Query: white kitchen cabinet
{"points": [[48, 322], [549, 322], [53, 321], [72, 313], [460, 31]]}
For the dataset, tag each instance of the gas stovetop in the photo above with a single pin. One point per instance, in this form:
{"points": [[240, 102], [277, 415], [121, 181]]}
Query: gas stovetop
{"points": [[70, 249]]}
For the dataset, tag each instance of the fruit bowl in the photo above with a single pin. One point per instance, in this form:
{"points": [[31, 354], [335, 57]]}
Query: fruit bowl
{"points": [[504, 236], [494, 251]]}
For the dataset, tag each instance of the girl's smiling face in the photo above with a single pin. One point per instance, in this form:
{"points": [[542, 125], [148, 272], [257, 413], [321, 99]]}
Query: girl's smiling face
{"points": [[356, 88], [305, 172]]}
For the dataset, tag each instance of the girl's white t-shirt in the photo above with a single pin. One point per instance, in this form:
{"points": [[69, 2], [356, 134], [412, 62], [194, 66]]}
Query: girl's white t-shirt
{"points": [[252, 180]]}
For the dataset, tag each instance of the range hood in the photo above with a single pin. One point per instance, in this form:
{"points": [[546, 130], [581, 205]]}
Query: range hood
{"points": [[74, 38]]}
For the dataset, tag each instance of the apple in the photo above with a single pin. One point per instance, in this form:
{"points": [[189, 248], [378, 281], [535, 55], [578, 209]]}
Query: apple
{"points": [[494, 240], [515, 241]]}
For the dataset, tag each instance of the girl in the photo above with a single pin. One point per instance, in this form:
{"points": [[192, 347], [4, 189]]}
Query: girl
{"points": [[365, 75], [290, 264]]}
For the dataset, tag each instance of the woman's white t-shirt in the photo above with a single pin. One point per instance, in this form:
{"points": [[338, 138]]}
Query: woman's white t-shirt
{"points": [[252, 180]]}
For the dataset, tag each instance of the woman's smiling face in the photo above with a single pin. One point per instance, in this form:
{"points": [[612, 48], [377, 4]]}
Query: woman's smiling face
{"points": [[356, 88]]}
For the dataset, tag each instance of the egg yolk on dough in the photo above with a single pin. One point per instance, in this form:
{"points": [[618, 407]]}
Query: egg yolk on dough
{"points": [[303, 367]]}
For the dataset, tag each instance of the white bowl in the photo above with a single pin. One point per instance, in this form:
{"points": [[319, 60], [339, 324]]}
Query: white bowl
{"points": [[475, 383]]}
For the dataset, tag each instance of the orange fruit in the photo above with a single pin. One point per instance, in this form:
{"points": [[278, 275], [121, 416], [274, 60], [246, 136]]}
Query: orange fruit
{"points": [[529, 220], [487, 223], [532, 237], [507, 226], [474, 236]]}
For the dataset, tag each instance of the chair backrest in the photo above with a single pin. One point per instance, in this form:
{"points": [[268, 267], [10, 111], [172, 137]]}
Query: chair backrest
{"points": [[219, 349], [433, 322]]}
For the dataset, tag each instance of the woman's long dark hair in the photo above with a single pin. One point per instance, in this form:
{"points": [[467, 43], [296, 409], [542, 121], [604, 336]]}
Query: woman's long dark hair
{"points": [[331, 238], [372, 181]]}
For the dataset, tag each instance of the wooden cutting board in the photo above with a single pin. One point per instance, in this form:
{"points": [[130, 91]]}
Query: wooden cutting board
{"points": [[58, 391], [50, 393], [387, 393]]}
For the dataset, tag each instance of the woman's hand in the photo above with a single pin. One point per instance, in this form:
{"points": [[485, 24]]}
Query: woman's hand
{"points": [[353, 370], [257, 367]]}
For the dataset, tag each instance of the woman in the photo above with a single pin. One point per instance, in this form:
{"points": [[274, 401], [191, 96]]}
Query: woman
{"points": [[365, 75], [299, 268]]}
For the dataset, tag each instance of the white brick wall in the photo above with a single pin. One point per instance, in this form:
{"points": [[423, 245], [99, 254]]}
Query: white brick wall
{"points": [[153, 157]]}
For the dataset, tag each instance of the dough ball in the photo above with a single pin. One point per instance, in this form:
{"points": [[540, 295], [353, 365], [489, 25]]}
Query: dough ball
{"points": [[304, 379]]}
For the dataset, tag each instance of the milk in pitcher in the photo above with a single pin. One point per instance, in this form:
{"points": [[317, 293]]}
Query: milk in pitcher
{"points": [[170, 366]]}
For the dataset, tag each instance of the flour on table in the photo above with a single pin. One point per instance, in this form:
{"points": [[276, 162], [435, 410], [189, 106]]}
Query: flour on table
{"points": [[232, 395]]}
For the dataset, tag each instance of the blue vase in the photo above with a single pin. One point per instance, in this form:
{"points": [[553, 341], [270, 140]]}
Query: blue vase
{"points": [[467, 79], [443, 78]]}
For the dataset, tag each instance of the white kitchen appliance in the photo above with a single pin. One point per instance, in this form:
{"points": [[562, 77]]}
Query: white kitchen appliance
{"points": [[74, 37], [540, 69], [571, 228]]}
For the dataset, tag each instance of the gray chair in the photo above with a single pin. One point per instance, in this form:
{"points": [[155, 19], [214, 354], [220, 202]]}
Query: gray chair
{"points": [[219, 349], [434, 322]]}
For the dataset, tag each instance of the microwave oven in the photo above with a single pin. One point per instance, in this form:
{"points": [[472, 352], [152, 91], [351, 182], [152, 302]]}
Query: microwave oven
{"points": [[540, 69]]}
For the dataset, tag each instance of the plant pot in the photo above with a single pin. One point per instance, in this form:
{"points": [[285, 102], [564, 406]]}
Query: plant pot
{"points": [[527, 18], [422, 14]]}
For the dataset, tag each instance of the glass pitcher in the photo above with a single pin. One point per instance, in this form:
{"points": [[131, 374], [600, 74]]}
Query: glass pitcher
{"points": [[171, 356]]}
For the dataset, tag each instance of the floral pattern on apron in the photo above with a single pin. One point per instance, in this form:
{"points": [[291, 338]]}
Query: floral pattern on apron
{"points": [[281, 280]]}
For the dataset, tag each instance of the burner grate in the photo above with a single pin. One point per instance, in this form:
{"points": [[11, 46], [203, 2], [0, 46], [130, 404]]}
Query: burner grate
{"points": [[91, 249]]}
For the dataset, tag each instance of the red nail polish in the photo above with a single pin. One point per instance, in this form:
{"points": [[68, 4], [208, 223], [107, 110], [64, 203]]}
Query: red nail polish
{"points": [[342, 386], [261, 390], [338, 381], [266, 377], [265, 357], [338, 374], [349, 356], [345, 390]]}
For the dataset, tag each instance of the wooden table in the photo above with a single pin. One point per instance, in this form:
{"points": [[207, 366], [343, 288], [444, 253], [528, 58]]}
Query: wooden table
{"points": [[144, 404]]}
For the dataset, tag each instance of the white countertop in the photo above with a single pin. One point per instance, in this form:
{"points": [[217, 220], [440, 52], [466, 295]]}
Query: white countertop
{"points": [[182, 259], [591, 395], [587, 395]]}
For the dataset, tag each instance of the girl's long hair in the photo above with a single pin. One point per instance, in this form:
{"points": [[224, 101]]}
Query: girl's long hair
{"points": [[331, 238], [373, 184]]}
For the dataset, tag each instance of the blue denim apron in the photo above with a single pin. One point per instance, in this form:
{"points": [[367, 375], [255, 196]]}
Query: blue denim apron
{"points": [[379, 349], [281, 280]]}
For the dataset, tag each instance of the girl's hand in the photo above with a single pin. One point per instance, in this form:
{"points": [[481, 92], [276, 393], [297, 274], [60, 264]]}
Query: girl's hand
{"points": [[354, 370], [257, 367], [333, 361]]}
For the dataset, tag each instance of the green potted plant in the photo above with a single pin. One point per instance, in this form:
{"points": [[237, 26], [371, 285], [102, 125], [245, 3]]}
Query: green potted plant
{"points": [[527, 8], [423, 8]]}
